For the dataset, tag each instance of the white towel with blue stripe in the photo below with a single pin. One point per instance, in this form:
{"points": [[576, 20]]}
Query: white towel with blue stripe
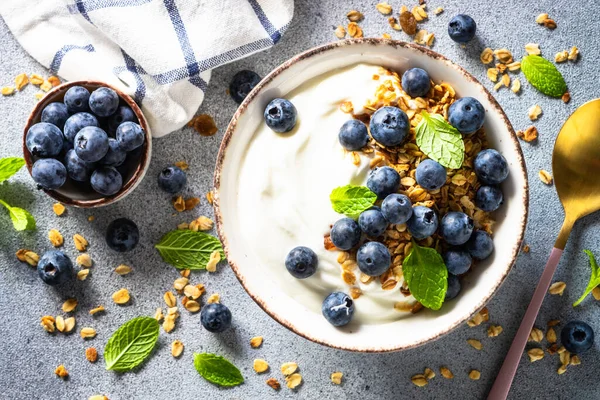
{"points": [[160, 52]]}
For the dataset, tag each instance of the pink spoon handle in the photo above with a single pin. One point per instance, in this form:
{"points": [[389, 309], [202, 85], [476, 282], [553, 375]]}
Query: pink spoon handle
{"points": [[511, 362]]}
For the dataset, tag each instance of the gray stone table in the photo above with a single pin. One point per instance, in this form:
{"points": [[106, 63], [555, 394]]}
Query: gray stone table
{"points": [[28, 355]]}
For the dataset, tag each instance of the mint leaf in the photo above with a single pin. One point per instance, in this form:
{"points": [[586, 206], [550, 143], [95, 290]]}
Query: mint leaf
{"points": [[543, 75], [351, 200], [21, 219], [131, 344], [188, 249], [594, 278], [10, 166], [426, 276], [217, 370], [440, 140]]}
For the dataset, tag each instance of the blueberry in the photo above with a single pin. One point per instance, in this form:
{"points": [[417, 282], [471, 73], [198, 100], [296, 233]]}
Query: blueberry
{"points": [[215, 317], [488, 198], [77, 99], [242, 83], [44, 140], [280, 115], [456, 228], [577, 337], [338, 308], [77, 122], [54, 267], [55, 114], [383, 181], [416, 82], [106, 181], [461, 28], [130, 136], [396, 208], [115, 155], [123, 114], [457, 261], [466, 115], [91, 143], [430, 174], [480, 245], [345, 234], [491, 167], [49, 173], [372, 222], [78, 169], [453, 287], [353, 135], [422, 223], [122, 235], [104, 101], [301, 262], [389, 126], [373, 258], [172, 179]]}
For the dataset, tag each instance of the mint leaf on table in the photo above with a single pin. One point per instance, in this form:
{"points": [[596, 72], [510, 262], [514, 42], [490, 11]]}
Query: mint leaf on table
{"points": [[131, 344], [543, 75], [217, 370], [21, 219], [10, 166], [594, 278], [187, 249], [440, 140], [426, 276], [351, 200]]}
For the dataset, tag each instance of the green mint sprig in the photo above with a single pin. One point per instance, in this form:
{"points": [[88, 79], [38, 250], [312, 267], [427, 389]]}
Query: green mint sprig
{"points": [[426, 276], [217, 370], [21, 219], [185, 249], [131, 344], [594, 278], [351, 200], [440, 141], [543, 75]]}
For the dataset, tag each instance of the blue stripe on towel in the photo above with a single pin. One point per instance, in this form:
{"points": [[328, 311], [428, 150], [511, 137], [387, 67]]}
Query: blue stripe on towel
{"points": [[91, 5], [265, 22], [60, 54], [132, 66]]}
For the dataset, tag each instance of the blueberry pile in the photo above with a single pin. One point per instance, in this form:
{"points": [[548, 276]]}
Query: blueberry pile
{"points": [[87, 138]]}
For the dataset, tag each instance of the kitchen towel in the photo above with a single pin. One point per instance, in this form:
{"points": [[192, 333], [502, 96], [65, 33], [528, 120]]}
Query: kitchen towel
{"points": [[160, 52]]}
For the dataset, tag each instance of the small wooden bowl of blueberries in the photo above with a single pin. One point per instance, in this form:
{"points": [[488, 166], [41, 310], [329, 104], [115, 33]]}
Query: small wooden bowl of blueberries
{"points": [[87, 144]]}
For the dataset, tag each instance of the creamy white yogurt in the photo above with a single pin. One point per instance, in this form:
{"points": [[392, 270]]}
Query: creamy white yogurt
{"points": [[284, 186]]}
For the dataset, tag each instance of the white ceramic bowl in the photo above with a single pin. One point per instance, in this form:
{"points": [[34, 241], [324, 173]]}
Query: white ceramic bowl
{"points": [[478, 286]]}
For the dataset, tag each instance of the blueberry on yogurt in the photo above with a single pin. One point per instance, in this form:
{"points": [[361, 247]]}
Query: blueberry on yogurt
{"points": [[383, 181], [338, 308], [301, 262], [280, 115], [466, 115], [430, 174], [389, 126], [490, 167], [480, 245], [422, 223], [456, 228], [416, 82], [453, 287], [372, 222], [396, 208], [488, 198], [457, 261], [353, 135], [373, 258], [345, 234]]}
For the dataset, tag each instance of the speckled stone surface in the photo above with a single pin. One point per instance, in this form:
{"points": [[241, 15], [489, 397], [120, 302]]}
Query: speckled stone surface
{"points": [[28, 355]]}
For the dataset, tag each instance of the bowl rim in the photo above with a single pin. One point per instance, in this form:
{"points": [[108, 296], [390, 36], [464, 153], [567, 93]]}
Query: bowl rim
{"points": [[143, 165], [308, 54]]}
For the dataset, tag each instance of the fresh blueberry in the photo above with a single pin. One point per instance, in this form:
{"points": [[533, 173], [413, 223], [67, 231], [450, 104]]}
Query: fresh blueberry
{"points": [[77, 122], [466, 115], [106, 181], [77, 99], [56, 114], [491, 167], [44, 140], [115, 155], [280, 115], [396, 208], [453, 287], [353, 135], [301, 262], [461, 28], [372, 222], [389, 126], [130, 136], [422, 223], [91, 144], [416, 82], [488, 198], [577, 337], [480, 245], [123, 114], [338, 308], [242, 83], [430, 174], [383, 181], [215, 317], [78, 169], [104, 101], [457, 261], [373, 258], [49, 173], [456, 228], [54, 267], [122, 235], [345, 234], [172, 179]]}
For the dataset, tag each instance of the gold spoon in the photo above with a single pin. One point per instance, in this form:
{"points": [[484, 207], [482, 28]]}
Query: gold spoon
{"points": [[576, 169]]}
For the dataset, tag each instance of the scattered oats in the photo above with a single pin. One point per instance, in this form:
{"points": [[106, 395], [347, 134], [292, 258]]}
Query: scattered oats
{"points": [[446, 373], [501, 68], [58, 209], [21, 81], [549, 23], [529, 135], [536, 335], [419, 13], [293, 381], [355, 16], [355, 158], [213, 298], [551, 335], [355, 292], [541, 18], [84, 260], [200, 286], [535, 354], [336, 378], [534, 112], [557, 288], [546, 178], [215, 257], [260, 365], [192, 292], [476, 344], [28, 257], [178, 204], [54, 81], [514, 66], [487, 56], [46, 86], [566, 97], [561, 56], [256, 342], [386, 36], [83, 274], [55, 238], [503, 55], [47, 322], [80, 243], [526, 248], [494, 330], [273, 383], [346, 107], [176, 348], [183, 226], [474, 375], [87, 333], [158, 315], [289, 368], [573, 53], [565, 357], [96, 310], [481, 316], [91, 354], [575, 360], [354, 30], [61, 371], [384, 8], [7, 91], [561, 350], [192, 306], [506, 80], [69, 324], [182, 165], [123, 269], [202, 223], [91, 218], [533, 48], [492, 74], [169, 323], [209, 197], [69, 305], [562, 369], [419, 380], [180, 283], [429, 374], [98, 397], [60, 323], [596, 292], [36, 79], [553, 322], [204, 124], [121, 296], [170, 299], [498, 85], [516, 85], [340, 32], [439, 10]]}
